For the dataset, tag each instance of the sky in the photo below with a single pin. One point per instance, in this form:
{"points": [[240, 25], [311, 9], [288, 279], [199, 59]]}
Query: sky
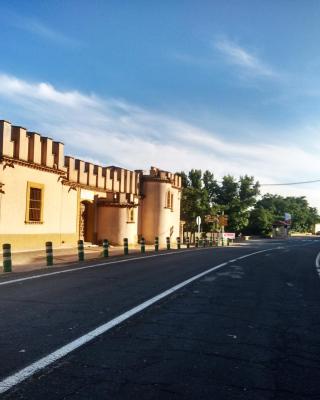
{"points": [[229, 86]]}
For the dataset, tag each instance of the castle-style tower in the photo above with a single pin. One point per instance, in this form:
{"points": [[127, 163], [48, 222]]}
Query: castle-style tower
{"points": [[160, 205]]}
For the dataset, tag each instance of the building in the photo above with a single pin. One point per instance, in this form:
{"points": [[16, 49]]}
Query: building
{"points": [[46, 196]]}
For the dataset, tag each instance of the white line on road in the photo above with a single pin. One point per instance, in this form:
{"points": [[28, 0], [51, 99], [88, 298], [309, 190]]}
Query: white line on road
{"points": [[318, 263], [44, 362], [38, 276]]}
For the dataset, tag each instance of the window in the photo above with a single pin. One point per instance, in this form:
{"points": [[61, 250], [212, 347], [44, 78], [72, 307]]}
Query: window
{"points": [[130, 214], [34, 209], [169, 200]]}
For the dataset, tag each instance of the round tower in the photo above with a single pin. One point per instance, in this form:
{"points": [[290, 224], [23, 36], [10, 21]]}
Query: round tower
{"points": [[160, 208]]}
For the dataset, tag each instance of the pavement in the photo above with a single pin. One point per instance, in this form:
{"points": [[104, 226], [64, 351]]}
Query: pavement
{"points": [[30, 260], [238, 323]]}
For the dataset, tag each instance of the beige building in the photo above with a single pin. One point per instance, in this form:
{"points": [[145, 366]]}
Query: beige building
{"points": [[46, 196]]}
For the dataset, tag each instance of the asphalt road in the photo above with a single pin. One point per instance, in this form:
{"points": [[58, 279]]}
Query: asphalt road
{"points": [[247, 330]]}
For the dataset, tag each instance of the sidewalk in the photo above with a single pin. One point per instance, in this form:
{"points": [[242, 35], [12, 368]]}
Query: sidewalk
{"points": [[23, 261]]}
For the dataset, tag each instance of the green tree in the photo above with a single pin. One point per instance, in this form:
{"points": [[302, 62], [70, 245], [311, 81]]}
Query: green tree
{"points": [[274, 207], [195, 199], [202, 195]]}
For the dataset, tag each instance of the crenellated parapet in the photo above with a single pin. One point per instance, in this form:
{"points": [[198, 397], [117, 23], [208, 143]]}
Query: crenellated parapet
{"points": [[107, 179], [30, 148], [156, 174]]}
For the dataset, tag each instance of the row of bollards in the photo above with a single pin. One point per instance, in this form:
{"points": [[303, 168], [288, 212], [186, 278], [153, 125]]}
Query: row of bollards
{"points": [[7, 260]]}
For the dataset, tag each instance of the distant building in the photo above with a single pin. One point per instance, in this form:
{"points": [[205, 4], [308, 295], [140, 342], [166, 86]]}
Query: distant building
{"points": [[46, 196]]}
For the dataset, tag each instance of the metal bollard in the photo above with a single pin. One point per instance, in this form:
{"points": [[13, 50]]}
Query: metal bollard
{"points": [[125, 246], [197, 242], [178, 243], [188, 242], [143, 245], [210, 243], [80, 250], [7, 263], [156, 243], [49, 254], [204, 243], [168, 243], [105, 245]]}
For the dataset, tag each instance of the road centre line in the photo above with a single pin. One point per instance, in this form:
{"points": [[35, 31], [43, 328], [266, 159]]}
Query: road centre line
{"points": [[44, 362]]}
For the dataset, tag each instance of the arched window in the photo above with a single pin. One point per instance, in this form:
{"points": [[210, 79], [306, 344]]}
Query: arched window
{"points": [[130, 214], [168, 199]]}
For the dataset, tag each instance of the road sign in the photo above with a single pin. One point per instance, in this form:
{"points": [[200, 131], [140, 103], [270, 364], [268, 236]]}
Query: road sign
{"points": [[198, 220], [229, 235], [210, 219], [223, 220]]}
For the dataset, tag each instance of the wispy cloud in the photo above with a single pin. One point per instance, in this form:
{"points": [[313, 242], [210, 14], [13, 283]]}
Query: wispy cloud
{"points": [[242, 58], [113, 131], [40, 29]]}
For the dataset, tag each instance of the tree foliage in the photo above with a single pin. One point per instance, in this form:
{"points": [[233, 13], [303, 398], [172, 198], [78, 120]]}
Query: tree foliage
{"points": [[202, 195], [272, 208]]}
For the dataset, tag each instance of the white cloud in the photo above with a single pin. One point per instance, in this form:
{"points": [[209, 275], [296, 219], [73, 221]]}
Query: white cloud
{"points": [[114, 132], [35, 27], [240, 57]]}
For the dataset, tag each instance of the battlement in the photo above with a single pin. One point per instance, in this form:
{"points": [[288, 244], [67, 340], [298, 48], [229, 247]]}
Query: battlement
{"points": [[109, 179], [30, 147], [157, 174], [18, 144]]}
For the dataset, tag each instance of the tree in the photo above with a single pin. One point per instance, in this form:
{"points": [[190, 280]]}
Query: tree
{"points": [[271, 208], [202, 195], [194, 200]]}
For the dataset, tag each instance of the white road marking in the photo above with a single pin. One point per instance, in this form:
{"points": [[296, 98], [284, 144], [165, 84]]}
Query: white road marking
{"points": [[317, 262], [44, 362], [39, 276], [64, 271]]}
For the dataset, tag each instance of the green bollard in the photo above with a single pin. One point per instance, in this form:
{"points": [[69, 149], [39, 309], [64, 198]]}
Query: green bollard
{"points": [[210, 243], [80, 250], [143, 245], [168, 243], [7, 263], [49, 254], [204, 243], [197, 242], [156, 243], [188, 242], [178, 243], [105, 245], [125, 246]]}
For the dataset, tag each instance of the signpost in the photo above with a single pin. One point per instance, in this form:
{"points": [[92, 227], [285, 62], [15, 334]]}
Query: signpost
{"points": [[198, 221]]}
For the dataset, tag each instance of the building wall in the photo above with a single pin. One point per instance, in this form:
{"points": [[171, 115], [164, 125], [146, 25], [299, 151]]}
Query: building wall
{"points": [[60, 207], [114, 224], [75, 191], [157, 219]]}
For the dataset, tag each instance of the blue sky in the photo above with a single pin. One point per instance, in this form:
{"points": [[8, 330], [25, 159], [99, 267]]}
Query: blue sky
{"points": [[232, 86]]}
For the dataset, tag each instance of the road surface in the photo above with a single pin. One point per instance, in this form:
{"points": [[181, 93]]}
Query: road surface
{"points": [[237, 323]]}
